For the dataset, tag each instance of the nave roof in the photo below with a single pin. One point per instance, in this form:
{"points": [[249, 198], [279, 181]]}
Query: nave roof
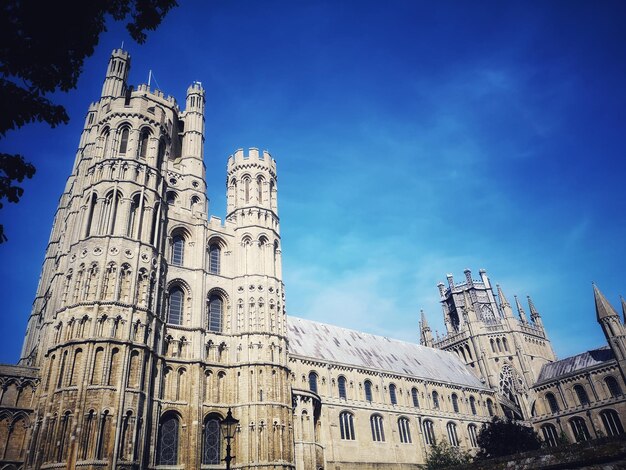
{"points": [[329, 343]]}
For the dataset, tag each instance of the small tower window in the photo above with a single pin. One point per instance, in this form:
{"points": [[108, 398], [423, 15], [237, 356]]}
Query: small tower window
{"points": [[143, 143], [614, 388], [215, 314], [435, 400], [124, 140], [552, 403], [472, 402], [175, 307], [214, 258], [489, 407], [178, 250]]}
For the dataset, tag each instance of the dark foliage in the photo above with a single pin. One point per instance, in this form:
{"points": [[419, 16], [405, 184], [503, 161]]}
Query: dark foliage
{"points": [[505, 437], [43, 45], [442, 455]]}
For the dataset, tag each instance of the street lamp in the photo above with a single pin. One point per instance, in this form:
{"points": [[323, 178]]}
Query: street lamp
{"points": [[228, 425]]}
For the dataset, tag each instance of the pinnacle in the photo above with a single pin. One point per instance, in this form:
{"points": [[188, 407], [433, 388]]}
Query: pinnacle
{"points": [[603, 308]]}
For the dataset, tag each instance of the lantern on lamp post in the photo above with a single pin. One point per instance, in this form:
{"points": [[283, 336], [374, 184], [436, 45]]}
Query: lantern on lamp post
{"points": [[228, 425]]}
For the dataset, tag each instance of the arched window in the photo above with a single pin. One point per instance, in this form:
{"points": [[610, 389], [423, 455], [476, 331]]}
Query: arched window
{"points": [[552, 403], [472, 432], [106, 142], [160, 153], [579, 429], [346, 425], [581, 393], [91, 229], [178, 250], [550, 436], [414, 396], [368, 390], [472, 402], [215, 313], [211, 440], [392, 394], [214, 258], [341, 385], [133, 220], [455, 402], [404, 431], [429, 432], [435, 400], [612, 423], [614, 389], [259, 184], [489, 407], [376, 423], [175, 307], [452, 435], [170, 197], [124, 140], [143, 143], [246, 186], [167, 451], [313, 382]]}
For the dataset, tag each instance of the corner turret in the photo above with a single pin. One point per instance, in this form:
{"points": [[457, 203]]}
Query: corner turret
{"points": [[534, 314], [520, 310], [117, 74], [612, 327]]}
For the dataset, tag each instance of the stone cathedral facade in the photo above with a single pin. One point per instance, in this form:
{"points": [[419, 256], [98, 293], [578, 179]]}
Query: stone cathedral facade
{"points": [[152, 319]]}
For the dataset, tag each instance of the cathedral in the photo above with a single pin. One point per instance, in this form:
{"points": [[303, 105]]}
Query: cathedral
{"points": [[152, 321]]}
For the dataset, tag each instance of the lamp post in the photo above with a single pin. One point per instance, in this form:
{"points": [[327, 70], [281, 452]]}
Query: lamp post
{"points": [[228, 425]]}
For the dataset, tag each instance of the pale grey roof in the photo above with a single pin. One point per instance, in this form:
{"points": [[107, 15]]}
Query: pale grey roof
{"points": [[570, 365], [324, 342]]}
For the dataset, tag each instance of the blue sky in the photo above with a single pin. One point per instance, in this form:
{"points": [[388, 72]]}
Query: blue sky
{"points": [[412, 138]]}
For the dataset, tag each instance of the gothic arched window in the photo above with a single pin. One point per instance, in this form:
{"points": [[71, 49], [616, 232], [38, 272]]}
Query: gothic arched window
{"points": [[368, 390], [178, 250], [144, 138], [392, 394], [581, 393], [167, 444], [214, 258], [341, 385], [259, 184], [429, 432], [211, 441], [614, 389], [472, 432], [124, 140], [313, 382], [455, 402], [414, 396], [346, 425], [403, 429], [215, 313], [552, 403], [175, 306], [611, 422], [550, 436], [376, 423], [452, 435], [579, 429]]}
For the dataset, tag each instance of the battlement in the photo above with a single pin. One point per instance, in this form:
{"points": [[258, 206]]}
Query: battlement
{"points": [[195, 87], [120, 53], [156, 94], [253, 156]]}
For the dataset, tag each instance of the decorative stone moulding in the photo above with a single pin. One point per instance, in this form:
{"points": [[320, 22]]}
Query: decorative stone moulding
{"points": [[114, 250], [128, 253]]}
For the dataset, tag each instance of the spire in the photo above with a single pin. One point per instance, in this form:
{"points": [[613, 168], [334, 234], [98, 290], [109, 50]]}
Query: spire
{"points": [[426, 336], [533, 311], [603, 308], [534, 314], [520, 310], [623, 308], [503, 301]]}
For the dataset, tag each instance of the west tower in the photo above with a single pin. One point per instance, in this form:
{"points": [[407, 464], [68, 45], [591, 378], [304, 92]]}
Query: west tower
{"points": [[152, 319]]}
